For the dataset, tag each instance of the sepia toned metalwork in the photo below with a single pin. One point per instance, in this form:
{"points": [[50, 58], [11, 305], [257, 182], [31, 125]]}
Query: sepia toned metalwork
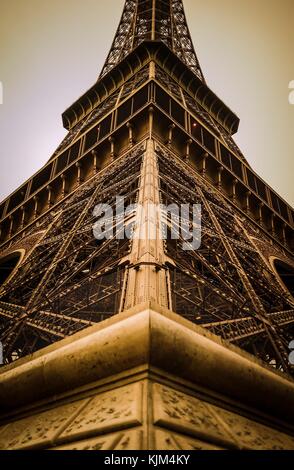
{"points": [[156, 20], [150, 130]]}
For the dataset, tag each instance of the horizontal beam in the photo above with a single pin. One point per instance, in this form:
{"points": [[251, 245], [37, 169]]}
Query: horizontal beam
{"points": [[234, 330]]}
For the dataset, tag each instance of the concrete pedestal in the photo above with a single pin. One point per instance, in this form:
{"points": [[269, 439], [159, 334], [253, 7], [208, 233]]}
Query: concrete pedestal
{"points": [[144, 379]]}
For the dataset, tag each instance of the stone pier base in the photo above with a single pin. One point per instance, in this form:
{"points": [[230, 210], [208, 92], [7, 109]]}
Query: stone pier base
{"points": [[144, 379]]}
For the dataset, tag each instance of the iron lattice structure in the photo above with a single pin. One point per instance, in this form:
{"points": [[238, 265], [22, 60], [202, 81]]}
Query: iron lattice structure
{"points": [[156, 20], [150, 130], [71, 280], [220, 285]]}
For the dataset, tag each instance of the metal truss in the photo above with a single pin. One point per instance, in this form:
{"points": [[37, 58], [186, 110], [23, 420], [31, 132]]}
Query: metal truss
{"points": [[225, 286], [70, 280], [161, 20], [246, 328]]}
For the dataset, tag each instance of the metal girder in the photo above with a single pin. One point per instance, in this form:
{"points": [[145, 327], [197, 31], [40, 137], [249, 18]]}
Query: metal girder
{"points": [[240, 328]]}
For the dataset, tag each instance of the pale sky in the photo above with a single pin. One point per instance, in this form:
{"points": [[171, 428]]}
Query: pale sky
{"points": [[52, 52]]}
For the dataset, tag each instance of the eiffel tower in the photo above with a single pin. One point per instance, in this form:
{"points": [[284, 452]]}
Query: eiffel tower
{"points": [[151, 131]]}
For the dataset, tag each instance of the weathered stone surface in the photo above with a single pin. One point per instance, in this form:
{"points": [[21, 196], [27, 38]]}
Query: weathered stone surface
{"points": [[106, 412], [127, 440], [165, 440], [184, 413], [131, 355], [39, 430], [254, 436]]}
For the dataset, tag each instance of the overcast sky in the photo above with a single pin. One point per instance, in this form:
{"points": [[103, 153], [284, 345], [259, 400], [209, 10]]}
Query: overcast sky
{"points": [[52, 52]]}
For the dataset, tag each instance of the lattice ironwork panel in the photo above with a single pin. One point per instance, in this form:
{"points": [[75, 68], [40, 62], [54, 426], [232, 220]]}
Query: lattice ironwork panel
{"points": [[162, 20], [71, 279], [225, 285]]}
